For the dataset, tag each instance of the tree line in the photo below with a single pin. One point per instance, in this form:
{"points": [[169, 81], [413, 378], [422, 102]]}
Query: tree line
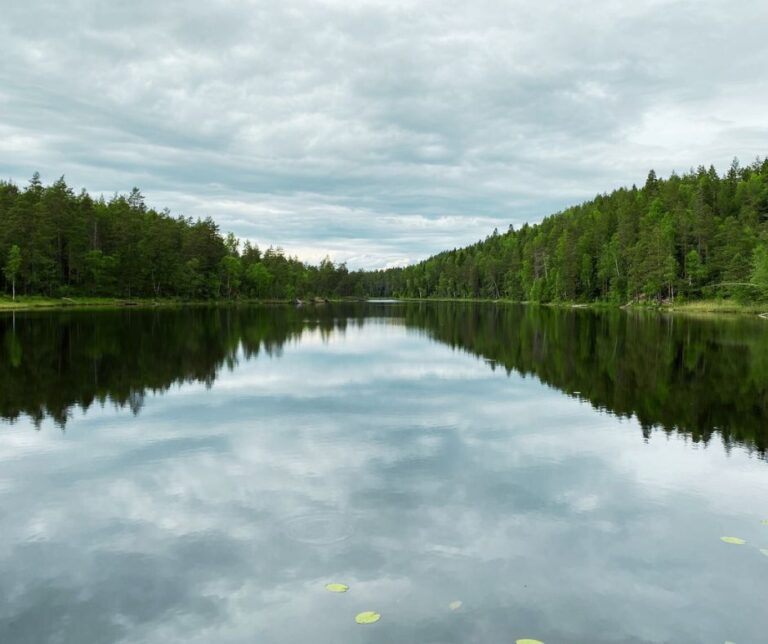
{"points": [[690, 236], [56, 243]]}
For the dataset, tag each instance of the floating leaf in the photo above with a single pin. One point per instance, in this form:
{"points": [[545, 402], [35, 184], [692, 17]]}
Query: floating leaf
{"points": [[734, 540], [529, 642], [337, 588], [764, 522], [368, 617], [455, 605], [764, 551]]}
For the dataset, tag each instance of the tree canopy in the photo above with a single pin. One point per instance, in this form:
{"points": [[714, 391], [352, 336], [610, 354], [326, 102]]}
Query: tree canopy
{"points": [[692, 236], [57, 243], [695, 235]]}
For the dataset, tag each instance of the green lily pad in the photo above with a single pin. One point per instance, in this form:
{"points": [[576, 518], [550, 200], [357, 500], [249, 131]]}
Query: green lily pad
{"points": [[764, 522], [734, 540], [337, 588], [529, 642], [367, 617], [764, 551], [455, 605]]}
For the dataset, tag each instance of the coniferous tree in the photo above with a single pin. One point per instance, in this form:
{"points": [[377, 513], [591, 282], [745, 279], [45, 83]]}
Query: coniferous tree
{"points": [[691, 235]]}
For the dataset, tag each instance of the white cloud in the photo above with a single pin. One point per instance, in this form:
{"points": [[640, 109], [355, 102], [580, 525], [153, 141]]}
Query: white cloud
{"points": [[395, 112]]}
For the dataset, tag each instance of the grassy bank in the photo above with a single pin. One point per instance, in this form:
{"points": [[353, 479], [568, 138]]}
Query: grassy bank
{"points": [[35, 302], [717, 306], [730, 307], [28, 303], [696, 306], [25, 303]]}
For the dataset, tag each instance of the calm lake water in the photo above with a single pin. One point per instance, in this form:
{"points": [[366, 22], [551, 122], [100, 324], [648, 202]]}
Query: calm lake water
{"points": [[199, 475]]}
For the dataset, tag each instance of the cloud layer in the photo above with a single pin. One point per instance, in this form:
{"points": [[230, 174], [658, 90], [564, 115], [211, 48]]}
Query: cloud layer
{"points": [[377, 131]]}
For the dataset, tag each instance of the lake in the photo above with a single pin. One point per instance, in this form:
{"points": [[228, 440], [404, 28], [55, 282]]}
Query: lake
{"points": [[472, 472]]}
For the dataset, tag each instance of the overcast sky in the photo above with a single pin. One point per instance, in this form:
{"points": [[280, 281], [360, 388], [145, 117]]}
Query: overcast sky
{"points": [[377, 131]]}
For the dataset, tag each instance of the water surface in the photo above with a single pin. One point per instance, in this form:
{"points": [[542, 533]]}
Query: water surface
{"points": [[199, 475]]}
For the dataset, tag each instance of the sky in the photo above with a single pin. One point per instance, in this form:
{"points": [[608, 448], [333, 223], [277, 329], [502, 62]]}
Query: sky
{"points": [[377, 132]]}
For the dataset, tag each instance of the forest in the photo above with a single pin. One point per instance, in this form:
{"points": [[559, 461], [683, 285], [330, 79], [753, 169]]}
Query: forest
{"points": [[691, 236], [699, 235], [57, 243]]}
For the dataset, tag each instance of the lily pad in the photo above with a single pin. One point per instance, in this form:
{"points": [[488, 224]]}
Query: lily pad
{"points": [[337, 588], [764, 522], [764, 551], [529, 642], [734, 540], [455, 605], [367, 617]]}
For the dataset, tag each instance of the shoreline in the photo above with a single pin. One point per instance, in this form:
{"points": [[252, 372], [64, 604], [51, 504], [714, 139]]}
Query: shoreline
{"points": [[39, 303], [34, 303], [724, 307]]}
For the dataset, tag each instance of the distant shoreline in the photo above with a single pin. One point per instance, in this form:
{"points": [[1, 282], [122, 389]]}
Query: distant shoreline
{"points": [[38, 303]]}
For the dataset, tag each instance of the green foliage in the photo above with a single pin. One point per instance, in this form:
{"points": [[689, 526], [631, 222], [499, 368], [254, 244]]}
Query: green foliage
{"points": [[258, 280], [12, 267], [760, 269], [691, 236], [13, 264], [57, 243], [695, 270]]}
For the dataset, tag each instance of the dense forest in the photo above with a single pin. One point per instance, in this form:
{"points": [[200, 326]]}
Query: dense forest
{"points": [[693, 236], [57, 243]]}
